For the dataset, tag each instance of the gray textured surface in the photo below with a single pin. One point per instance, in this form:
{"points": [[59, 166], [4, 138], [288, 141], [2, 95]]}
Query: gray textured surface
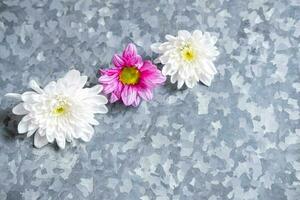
{"points": [[238, 139]]}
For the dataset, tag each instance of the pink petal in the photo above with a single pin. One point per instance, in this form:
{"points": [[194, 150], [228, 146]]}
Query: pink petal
{"points": [[151, 73], [145, 83], [113, 98], [109, 88], [138, 62], [107, 79], [124, 95], [119, 89], [118, 61], [137, 101], [130, 51], [148, 66], [109, 72], [145, 94], [132, 93], [128, 95], [159, 78]]}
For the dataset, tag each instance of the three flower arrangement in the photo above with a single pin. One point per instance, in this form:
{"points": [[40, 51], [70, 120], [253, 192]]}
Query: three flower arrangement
{"points": [[64, 110]]}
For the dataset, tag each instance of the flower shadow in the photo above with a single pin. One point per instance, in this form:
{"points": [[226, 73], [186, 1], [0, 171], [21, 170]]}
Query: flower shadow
{"points": [[172, 87], [9, 123]]}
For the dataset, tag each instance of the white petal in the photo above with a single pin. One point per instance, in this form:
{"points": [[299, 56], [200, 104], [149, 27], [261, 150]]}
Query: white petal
{"points": [[102, 99], [95, 89], [40, 141], [184, 72], [50, 137], [169, 69], [170, 37], [180, 83], [184, 34], [97, 100], [87, 133], [31, 132], [33, 84], [101, 109], [69, 137], [76, 133], [31, 126], [27, 117], [206, 79], [155, 47], [19, 109], [164, 58], [197, 34], [93, 122], [61, 142], [72, 81], [28, 96], [174, 78], [208, 66], [50, 87], [82, 82], [190, 83], [14, 95], [72, 75], [166, 69], [23, 126]]}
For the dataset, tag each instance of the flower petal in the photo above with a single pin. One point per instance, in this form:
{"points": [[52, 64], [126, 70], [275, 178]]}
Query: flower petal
{"points": [[131, 95], [145, 94], [33, 84], [61, 142], [137, 101], [183, 34], [155, 47], [31, 132], [87, 133], [206, 79], [72, 75], [29, 96], [197, 34], [40, 141], [130, 51], [93, 121], [101, 109], [13, 95], [138, 62], [190, 83], [19, 109], [95, 89], [50, 87], [113, 98], [118, 61], [106, 79], [109, 88], [23, 126], [180, 83], [124, 95]]}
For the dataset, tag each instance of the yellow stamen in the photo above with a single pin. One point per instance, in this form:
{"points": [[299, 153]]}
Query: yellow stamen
{"points": [[61, 107], [129, 75], [188, 53]]}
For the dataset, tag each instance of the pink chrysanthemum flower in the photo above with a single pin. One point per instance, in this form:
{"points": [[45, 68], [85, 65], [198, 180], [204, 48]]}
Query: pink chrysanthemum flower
{"points": [[132, 79]]}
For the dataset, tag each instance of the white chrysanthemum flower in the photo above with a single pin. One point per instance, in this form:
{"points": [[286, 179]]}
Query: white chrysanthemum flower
{"points": [[62, 111], [188, 58]]}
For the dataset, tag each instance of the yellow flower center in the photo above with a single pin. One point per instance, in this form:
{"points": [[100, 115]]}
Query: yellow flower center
{"points": [[129, 75], [61, 107], [188, 54]]}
